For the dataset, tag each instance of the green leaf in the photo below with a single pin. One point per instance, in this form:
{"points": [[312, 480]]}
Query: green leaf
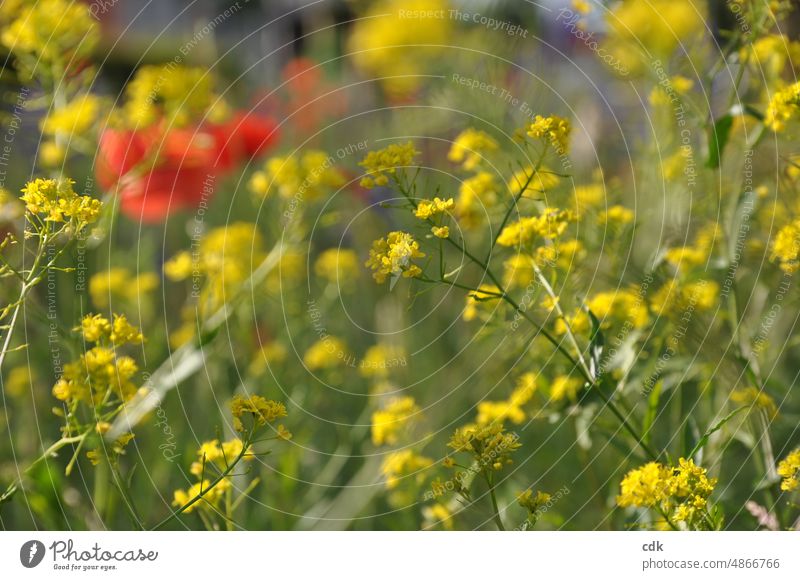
{"points": [[717, 139], [719, 425]]}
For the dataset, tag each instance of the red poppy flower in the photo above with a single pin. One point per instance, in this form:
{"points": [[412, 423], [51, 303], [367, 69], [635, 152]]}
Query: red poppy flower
{"points": [[160, 170]]}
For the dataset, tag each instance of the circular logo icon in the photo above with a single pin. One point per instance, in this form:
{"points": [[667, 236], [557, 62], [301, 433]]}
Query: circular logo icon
{"points": [[31, 553]]}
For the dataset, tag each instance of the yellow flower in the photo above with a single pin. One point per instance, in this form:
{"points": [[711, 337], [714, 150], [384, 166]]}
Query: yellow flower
{"points": [[550, 224], [52, 154], [180, 93], [511, 409], [565, 387], [657, 25], [782, 107], [537, 180], [19, 380], [306, 177], [56, 201], [553, 130], [441, 232], [380, 164], [393, 255], [438, 514], [404, 463], [471, 147], [484, 296], [389, 422], [645, 486], [674, 297], [337, 266], [262, 410], [491, 445], [789, 470], [52, 31], [380, 359], [617, 215], [76, 118], [399, 50], [269, 354], [426, 209], [786, 248], [118, 284], [327, 353]]}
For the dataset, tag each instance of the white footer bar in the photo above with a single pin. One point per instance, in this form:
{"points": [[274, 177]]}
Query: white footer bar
{"points": [[399, 555]]}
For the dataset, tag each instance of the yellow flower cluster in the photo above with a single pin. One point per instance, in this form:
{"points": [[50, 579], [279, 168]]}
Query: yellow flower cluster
{"points": [[97, 328], [782, 106], [789, 470], [404, 463], [337, 266], [51, 31], [178, 93], [510, 409], [786, 248], [623, 305], [225, 258], [675, 297], [490, 445], [617, 215], [212, 454], [327, 353], [427, 209], [657, 25], [480, 301], [680, 492], [209, 496], [380, 359], [552, 130], [531, 179], [389, 422], [565, 388], [550, 224], [308, 176], [379, 165], [55, 201], [470, 147], [475, 196], [100, 377], [260, 410], [76, 118], [119, 285], [396, 50], [393, 255]]}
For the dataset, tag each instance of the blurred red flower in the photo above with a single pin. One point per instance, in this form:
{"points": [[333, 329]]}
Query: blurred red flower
{"points": [[160, 170]]}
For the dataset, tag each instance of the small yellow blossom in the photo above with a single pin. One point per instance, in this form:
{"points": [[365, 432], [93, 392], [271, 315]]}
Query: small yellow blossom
{"points": [[553, 130], [262, 410], [426, 209], [327, 353], [441, 232], [471, 147], [379, 165], [337, 266], [56, 201], [789, 470], [392, 255], [389, 422], [785, 248], [308, 176]]}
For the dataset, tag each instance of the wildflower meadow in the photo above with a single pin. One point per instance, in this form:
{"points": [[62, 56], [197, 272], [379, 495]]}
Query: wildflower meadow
{"points": [[394, 265]]}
